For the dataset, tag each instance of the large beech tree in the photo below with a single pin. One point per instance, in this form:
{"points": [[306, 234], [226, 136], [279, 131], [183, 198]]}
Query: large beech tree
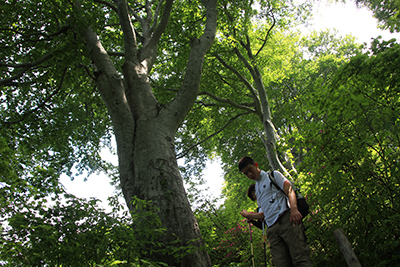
{"points": [[59, 58]]}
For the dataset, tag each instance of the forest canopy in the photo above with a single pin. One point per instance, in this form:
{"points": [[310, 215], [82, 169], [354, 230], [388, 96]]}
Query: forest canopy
{"points": [[192, 80]]}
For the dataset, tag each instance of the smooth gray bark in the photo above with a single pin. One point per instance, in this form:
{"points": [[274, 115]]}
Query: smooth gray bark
{"points": [[145, 130]]}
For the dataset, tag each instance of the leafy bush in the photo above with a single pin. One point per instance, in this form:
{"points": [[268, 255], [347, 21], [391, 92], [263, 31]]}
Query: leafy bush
{"points": [[79, 233], [353, 159]]}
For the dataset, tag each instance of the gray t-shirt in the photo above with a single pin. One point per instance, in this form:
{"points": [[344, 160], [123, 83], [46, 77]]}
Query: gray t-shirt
{"points": [[271, 200]]}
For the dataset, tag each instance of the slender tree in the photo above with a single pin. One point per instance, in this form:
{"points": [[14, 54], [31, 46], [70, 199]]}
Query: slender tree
{"points": [[246, 57]]}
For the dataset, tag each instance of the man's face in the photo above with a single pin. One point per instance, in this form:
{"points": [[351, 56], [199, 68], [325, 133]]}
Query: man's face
{"points": [[251, 171], [253, 194]]}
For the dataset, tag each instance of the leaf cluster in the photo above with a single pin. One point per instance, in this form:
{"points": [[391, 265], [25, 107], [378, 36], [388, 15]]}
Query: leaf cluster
{"points": [[41, 235], [387, 12], [352, 158]]}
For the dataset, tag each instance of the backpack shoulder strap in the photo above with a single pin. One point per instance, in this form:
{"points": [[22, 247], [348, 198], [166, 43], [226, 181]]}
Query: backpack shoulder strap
{"points": [[295, 188], [272, 178]]}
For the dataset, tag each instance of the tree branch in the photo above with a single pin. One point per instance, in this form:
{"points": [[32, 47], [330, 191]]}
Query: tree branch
{"points": [[116, 54], [184, 100], [150, 49], [182, 155], [266, 37], [108, 4], [227, 101], [247, 47], [87, 71], [31, 111], [156, 14], [232, 69], [241, 78], [130, 41], [24, 67], [46, 37]]}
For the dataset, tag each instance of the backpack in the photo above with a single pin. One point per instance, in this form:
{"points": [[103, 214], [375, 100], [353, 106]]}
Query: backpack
{"points": [[302, 204]]}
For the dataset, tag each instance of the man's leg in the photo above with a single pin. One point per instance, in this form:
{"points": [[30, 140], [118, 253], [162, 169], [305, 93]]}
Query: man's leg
{"points": [[279, 250], [295, 238]]}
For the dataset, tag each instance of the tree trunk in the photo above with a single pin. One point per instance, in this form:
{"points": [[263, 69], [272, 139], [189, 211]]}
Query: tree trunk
{"points": [[145, 130], [269, 135], [269, 128], [346, 248], [157, 178]]}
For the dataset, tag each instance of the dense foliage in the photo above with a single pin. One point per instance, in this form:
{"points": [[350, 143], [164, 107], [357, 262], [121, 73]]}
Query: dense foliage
{"points": [[387, 12], [353, 158], [68, 231], [335, 107]]}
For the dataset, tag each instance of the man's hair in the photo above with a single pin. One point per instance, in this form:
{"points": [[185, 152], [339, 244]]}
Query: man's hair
{"points": [[243, 162], [252, 188]]}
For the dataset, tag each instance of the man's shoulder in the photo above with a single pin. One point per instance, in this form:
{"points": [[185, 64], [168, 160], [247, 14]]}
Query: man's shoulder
{"points": [[263, 174], [263, 178]]}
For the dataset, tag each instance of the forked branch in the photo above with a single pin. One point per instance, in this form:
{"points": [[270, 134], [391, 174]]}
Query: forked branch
{"points": [[41, 105], [185, 153]]}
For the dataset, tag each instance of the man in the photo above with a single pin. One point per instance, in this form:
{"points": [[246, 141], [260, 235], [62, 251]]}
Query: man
{"points": [[285, 231], [251, 193]]}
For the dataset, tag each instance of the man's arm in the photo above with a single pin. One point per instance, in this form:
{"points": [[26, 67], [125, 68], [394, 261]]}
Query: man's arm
{"points": [[295, 215], [251, 215]]}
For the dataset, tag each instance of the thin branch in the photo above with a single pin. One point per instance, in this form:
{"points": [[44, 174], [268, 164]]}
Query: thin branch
{"points": [[135, 14], [182, 155], [161, 26], [244, 106], [247, 47], [108, 4], [41, 105], [243, 79], [232, 69], [24, 67], [46, 37], [29, 64], [87, 71], [224, 80], [227, 101], [266, 37], [222, 225], [156, 14]]}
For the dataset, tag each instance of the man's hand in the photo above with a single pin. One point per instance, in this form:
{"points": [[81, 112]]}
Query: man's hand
{"points": [[252, 215], [295, 216], [244, 213]]}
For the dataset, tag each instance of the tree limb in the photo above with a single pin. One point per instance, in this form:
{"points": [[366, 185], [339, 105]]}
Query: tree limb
{"points": [[87, 71], [150, 49], [108, 4], [156, 14], [29, 64], [184, 154], [241, 78], [227, 101], [46, 37], [24, 67], [130, 41], [188, 91], [31, 111], [247, 47], [266, 37], [116, 54]]}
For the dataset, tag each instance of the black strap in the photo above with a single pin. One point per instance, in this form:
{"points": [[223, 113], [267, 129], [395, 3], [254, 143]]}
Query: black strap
{"points": [[274, 183]]}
